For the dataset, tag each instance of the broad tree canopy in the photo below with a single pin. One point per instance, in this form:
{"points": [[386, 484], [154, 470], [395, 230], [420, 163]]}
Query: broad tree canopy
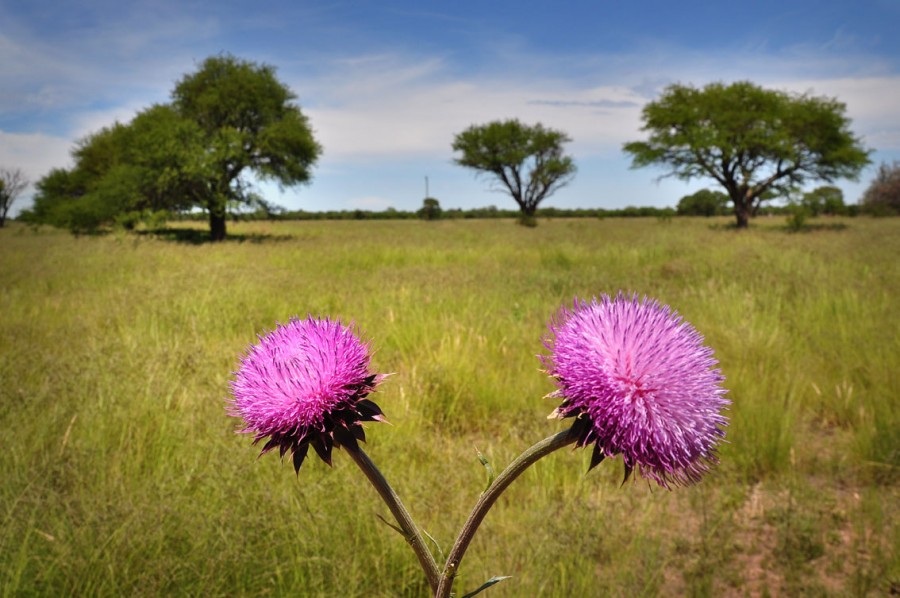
{"points": [[756, 143], [248, 122], [229, 118], [528, 161]]}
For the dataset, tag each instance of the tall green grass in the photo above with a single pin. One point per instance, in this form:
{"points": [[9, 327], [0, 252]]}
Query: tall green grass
{"points": [[122, 474]]}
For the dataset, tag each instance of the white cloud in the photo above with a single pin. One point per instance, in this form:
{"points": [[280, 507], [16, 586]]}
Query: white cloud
{"points": [[35, 154], [67, 75], [385, 107], [388, 109]]}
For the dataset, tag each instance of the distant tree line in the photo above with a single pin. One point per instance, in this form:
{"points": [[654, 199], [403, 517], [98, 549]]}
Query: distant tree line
{"points": [[443, 214], [189, 159], [821, 201], [489, 212]]}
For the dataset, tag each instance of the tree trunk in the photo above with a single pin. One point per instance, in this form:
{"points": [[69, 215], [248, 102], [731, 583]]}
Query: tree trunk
{"points": [[743, 216], [216, 225], [527, 218], [742, 207]]}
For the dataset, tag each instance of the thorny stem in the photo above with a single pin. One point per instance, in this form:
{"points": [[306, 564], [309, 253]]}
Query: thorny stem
{"points": [[410, 531], [489, 497]]}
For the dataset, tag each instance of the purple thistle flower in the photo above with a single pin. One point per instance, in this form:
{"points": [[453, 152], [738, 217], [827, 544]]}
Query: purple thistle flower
{"points": [[640, 383], [305, 383]]}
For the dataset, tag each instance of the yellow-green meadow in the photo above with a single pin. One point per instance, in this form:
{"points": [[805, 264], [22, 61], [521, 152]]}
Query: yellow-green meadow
{"points": [[123, 474]]}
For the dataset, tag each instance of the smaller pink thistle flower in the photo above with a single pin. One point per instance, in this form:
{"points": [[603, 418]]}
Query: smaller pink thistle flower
{"points": [[305, 383], [640, 383]]}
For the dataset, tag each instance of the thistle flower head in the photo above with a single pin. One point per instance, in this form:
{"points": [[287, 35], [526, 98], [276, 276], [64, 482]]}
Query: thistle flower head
{"points": [[641, 384], [305, 383]]}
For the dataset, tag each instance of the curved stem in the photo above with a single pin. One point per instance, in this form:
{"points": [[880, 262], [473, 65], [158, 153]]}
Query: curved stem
{"points": [[410, 531], [490, 496]]}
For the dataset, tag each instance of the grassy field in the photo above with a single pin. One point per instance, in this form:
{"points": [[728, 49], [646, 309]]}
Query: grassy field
{"points": [[122, 474]]}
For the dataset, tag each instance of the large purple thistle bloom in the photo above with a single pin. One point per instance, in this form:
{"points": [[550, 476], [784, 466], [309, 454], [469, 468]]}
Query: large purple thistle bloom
{"points": [[640, 383], [305, 383]]}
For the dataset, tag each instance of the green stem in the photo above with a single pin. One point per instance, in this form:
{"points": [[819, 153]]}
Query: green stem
{"points": [[490, 496], [410, 531]]}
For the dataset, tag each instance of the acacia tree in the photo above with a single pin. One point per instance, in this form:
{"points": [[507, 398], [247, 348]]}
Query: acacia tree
{"points": [[248, 122], [528, 161], [12, 182], [230, 118], [756, 143]]}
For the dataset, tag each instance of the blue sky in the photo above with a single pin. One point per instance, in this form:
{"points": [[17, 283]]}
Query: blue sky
{"points": [[387, 84]]}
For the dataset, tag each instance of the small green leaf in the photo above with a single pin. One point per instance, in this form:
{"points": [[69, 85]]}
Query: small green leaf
{"points": [[494, 580], [487, 466], [441, 556]]}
